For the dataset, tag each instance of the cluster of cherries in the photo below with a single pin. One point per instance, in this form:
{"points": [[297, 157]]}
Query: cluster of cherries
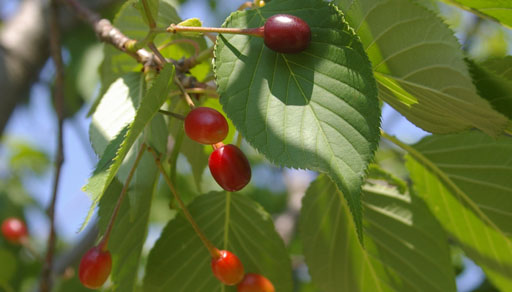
{"points": [[228, 165], [229, 270], [230, 168]]}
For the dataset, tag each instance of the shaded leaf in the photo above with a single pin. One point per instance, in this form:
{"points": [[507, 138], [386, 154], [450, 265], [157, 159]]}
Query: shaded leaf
{"points": [[493, 87], [179, 261], [316, 109], [420, 67], [465, 180], [399, 254]]}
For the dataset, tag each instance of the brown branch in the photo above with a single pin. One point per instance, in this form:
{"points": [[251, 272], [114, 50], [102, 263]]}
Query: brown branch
{"points": [[109, 34], [55, 49]]}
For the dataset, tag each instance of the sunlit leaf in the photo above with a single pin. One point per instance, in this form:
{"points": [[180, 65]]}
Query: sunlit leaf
{"points": [[420, 66], [316, 109]]}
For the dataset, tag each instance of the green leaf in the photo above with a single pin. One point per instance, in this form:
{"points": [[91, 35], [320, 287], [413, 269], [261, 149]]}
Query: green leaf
{"points": [[493, 87], [497, 10], [118, 148], [405, 248], [465, 180], [179, 261], [420, 67], [316, 109]]}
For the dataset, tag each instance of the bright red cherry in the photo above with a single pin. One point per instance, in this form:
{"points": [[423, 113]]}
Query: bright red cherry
{"points": [[255, 283], [206, 125], [230, 168], [95, 267], [228, 268], [14, 230], [286, 33]]}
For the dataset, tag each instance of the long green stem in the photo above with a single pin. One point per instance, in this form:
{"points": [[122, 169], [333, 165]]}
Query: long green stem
{"points": [[214, 252], [104, 242], [257, 31]]}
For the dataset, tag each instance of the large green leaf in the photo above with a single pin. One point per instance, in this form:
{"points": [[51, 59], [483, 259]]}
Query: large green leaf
{"points": [[118, 148], [405, 248], [316, 109], [465, 180], [179, 261], [420, 67], [497, 10], [496, 88]]}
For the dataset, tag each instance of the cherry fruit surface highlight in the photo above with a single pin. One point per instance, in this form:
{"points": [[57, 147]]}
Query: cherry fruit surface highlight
{"points": [[95, 267], [14, 230], [206, 125], [228, 268], [286, 33], [255, 283], [230, 168]]}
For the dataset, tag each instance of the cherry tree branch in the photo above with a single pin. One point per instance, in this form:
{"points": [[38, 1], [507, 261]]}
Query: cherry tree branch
{"points": [[55, 49], [109, 34]]}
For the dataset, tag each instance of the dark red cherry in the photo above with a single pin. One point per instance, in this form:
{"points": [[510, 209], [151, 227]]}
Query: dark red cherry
{"points": [[206, 125], [14, 230], [286, 33], [255, 283], [95, 267], [228, 268], [230, 168]]}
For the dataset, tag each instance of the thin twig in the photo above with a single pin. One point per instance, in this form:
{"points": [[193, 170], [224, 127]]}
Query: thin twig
{"points": [[174, 115], [55, 48], [214, 252], [188, 99], [157, 53], [104, 241]]}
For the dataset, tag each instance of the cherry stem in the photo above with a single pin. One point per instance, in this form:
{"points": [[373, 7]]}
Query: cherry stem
{"points": [[188, 99], [104, 241], [174, 115], [151, 20], [217, 145], [214, 252], [257, 31], [157, 53]]}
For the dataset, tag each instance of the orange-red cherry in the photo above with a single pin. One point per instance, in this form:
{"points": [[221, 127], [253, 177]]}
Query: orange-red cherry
{"points": [[14, 230], [95, 267], [255, 283], [206, 125], [228, 268], [230, 168], [286, 33]]}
